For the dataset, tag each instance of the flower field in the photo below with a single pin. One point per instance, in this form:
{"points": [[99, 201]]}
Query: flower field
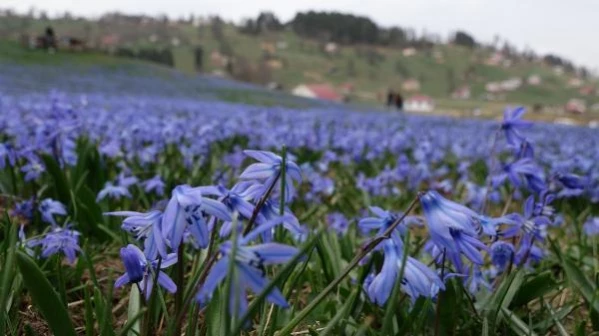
{"points": [[145, 212]]}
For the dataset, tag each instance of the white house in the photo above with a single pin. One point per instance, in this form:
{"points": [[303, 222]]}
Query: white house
{"points": [[317, 91], [419, 103], [534, 80], [576, 106]]}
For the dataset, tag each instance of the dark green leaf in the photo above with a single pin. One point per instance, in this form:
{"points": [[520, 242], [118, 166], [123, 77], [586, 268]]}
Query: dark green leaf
{"points": [[44, 297], [61, 184]]}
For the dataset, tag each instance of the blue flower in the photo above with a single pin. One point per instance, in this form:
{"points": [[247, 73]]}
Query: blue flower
{"points": [[58, 240], [527, 224], [269, 168], [114, 191], [542, 208], [418, 279], [522, 172], [513, 123], [338, 222], [154, 184], [249, 265], [139, 270], [383, 220], [451, 227], [185, 210], [477, 280], [236, 201], [7, 154], [48, 208], [24, 209], [33, 169], [501, 254], [146, 227], [571, 181], [591, 226]]}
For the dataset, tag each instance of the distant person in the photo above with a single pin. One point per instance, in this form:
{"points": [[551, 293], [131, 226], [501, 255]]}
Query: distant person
{"points": [[390, 98], [399, 101], [49, 39]]}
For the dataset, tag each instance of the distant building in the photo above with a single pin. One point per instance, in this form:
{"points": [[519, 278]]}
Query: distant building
{"points": [[586, 90], [495, 59], [419, 103], [511, 84], [411, 85], [493, 87], [534, 80], [576, 106], [575, 82], [462, 92], [407, 52], [317, 91], [331, 48]]}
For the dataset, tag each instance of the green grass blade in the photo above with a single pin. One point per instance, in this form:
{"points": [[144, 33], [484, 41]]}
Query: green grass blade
{"points": [[517, 325], [44, 297], [7, 277]]}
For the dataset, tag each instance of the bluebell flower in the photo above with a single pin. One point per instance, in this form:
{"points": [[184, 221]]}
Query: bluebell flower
{"points": [[521, 172], [146, 227], [338, 222], [48, 208], [139, 270], [501, 254], [154, 184], [451, 227], [185, 210], [477, 280], [126, 181], [24, 209], [114, 191], [33, 169], [591, 226], [513, 123], [249, 264], [543, 207], [571, 181], [270, 213], [58, 240], [7, 155], [525, 150], [418, 279], [269, 168], [383, 220], [527, 224], [236, 201]]}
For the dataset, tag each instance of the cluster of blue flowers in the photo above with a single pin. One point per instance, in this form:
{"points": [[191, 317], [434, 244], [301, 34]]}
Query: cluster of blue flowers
{"points": [[378, 156]]}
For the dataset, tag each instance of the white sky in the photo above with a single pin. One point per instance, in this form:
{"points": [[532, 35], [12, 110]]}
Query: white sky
{"points": [[567, 28]]}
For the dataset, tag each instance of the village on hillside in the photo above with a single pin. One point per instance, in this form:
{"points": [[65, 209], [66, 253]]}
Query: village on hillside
{"points": [[431, 74]]}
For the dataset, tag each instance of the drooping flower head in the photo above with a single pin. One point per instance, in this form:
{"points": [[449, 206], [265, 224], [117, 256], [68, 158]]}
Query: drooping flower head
{"points": [[501, 254], [48, 208], [185, 210], [513, 123], [451, 227], [146, 227], [269, 168], [249, 262], [58, 240], [418, 280], [140, 270]]}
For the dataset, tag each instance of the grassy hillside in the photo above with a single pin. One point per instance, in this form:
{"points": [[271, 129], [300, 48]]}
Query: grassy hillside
{"points": [[371, 70]]}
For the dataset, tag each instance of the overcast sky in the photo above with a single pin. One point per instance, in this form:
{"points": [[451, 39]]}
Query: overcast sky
{"points": [[567, 28]]}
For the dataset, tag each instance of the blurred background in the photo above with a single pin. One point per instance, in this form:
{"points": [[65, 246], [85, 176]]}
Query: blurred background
{"points": [[459, 58]]}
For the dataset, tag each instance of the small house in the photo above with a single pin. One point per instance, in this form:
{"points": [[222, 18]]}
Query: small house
{"points": [[419, 103], [411, 85], [462, 93], [576, 106], [317, 91]]}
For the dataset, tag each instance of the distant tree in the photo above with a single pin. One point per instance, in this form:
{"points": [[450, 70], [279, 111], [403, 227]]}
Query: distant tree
{"points": [[336, 27], [216, 24], [464, 39], [225, 48]]}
